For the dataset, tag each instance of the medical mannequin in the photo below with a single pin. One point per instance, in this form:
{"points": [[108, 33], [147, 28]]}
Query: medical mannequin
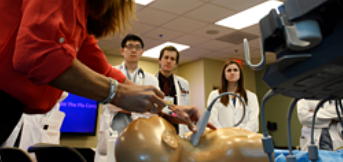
{"points": [[155, 139], [228, 110]]}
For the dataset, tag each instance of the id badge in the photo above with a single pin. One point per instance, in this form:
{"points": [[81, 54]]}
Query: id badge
{"points": [[169, 99]]}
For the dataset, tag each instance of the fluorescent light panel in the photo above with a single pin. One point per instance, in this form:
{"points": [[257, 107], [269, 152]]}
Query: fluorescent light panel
{"points": [[250, 16], [143, 2], [155, 51]]}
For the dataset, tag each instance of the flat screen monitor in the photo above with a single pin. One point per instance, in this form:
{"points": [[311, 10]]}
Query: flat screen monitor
{"points": [[81, 115]]}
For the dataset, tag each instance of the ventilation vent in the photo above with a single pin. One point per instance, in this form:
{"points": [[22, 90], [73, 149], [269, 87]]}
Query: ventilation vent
{"points": [[237, 37]]}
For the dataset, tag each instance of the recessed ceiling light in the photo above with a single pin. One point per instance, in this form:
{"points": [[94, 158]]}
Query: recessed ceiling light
{"points": [[143, 2], [155, 51], [250, 16]]}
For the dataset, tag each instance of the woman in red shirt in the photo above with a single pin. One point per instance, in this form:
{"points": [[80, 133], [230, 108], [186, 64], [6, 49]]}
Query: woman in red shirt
{"points": [[50, 46]]}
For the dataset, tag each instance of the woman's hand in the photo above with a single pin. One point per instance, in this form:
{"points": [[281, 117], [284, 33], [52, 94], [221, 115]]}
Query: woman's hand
{"points": [[139, 98], [186, 115]]}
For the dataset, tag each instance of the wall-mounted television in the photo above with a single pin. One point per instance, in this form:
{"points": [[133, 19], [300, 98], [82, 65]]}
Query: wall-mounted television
{"points": [[81, 116]]}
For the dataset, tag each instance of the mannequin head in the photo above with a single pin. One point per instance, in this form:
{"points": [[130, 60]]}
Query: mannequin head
{"points": [[155, 139]]}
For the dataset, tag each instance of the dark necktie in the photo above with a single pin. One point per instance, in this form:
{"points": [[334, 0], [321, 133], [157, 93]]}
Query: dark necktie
{"points": [[166, 88]]}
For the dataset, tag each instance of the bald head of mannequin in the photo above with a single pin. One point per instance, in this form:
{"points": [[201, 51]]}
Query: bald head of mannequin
{"points": [[155, 139]]}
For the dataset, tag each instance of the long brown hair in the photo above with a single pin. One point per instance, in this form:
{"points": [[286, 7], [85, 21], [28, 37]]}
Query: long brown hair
{"points": [[224, 84], [106, 17]]}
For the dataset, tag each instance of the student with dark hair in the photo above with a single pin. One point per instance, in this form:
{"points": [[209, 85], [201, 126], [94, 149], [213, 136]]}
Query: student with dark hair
{"points": [[175, 88], [228, 110], [114, 117]]}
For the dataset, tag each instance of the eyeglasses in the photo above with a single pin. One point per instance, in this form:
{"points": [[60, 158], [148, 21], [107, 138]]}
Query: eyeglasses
{"points": [[131, 47]]}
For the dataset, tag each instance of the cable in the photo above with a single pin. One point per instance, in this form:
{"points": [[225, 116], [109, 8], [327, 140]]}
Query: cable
{"points": [[312, 148], [320, 104], [229, 93], [266, 97], [339, 114], [290, 157], [289, 117], [262, 63], [202, 122], [267, 141]]}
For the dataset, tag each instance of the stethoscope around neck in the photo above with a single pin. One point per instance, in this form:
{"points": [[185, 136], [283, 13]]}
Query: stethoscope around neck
{"points": [[140, 74]]}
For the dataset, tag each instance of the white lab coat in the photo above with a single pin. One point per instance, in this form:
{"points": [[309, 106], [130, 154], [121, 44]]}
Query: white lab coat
{"points": [[109, 112], [323, 120], [14, 135], [226, 116], [181, 86], [33, 132]]}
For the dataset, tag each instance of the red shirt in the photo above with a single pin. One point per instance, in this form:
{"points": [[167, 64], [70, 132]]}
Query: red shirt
{"points": [[38, 41]]}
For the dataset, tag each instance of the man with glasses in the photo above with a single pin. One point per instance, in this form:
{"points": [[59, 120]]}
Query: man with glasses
{"points": [[114, 117]]}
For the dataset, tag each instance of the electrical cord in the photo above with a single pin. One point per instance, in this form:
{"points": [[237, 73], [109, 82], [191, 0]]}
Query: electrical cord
{"points": [[312, 148], [267, 140], [290, 157]]}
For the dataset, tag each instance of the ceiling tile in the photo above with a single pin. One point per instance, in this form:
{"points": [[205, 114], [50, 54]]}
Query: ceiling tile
{"points": [[214, 45], [221, 31], [176, 6], [163, 34], [237, 49], [205, 0], [214, 55], [184, 24], [193, 51], [154, 17], [209, 13], [117, 38], [237, 5], [255, 43], [139, 7], [139, 28], [255, 29], [234, 50], [191, 39], [149, 43]]}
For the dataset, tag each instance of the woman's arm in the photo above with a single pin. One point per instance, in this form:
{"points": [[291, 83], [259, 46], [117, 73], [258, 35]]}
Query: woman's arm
{"points": [[81, 80]]}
